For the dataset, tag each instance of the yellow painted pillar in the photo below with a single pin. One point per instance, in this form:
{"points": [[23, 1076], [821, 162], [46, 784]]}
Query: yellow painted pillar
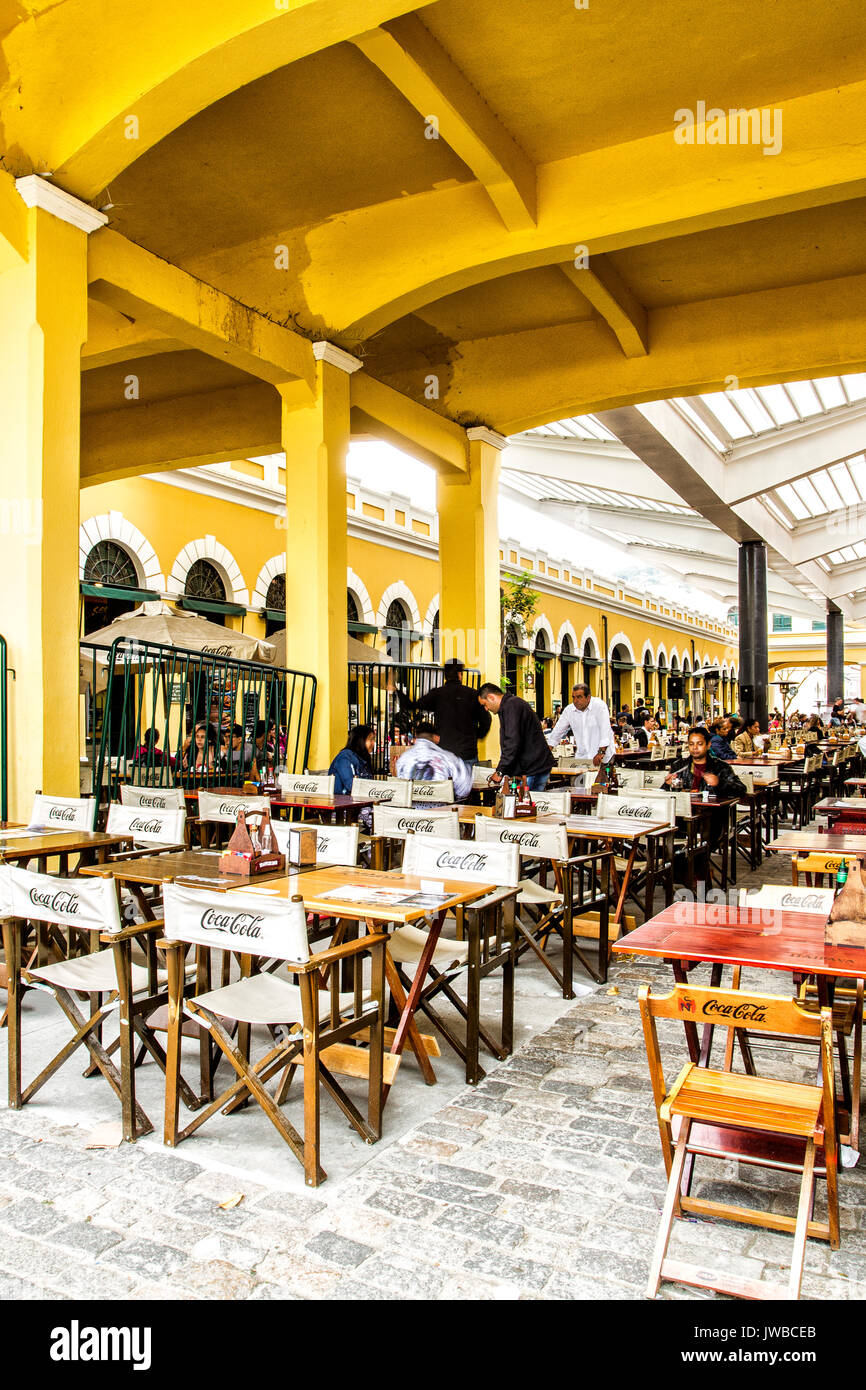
{"points": [[43, 324], [469, 607], [316, 441]]}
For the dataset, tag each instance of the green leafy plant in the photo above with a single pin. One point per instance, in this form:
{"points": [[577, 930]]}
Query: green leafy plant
{"points": [[518, 602]]}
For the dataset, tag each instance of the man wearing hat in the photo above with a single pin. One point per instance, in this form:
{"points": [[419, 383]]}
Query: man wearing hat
{"points": [[460, 720]]}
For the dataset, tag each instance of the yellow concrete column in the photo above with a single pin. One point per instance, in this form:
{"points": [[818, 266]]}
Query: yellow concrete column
{"points": [[43, 324], [468, 505], [316, 440]]}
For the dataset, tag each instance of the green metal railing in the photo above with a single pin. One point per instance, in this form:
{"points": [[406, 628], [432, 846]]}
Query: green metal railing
{"points": [[4, 733], [133, 687], [385, 697]]}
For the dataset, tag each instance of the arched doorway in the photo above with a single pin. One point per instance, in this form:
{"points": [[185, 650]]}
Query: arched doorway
{"points": [[621, 677], [567, 664], [435, 644], [398, 632], [109, 567], [542, 656], [591, 663], [512, 643], [648, 669]]}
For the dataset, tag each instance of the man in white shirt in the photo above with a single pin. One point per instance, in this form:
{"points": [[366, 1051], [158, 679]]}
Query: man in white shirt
{"points": [[587, 722]]}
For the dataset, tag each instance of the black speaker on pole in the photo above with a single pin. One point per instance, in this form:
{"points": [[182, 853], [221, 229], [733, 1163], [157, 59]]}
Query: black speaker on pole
{"points": [[676, 688]]}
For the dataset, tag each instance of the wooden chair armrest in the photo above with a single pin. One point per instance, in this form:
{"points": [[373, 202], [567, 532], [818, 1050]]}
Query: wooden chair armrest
{"points": [[334, 953], [146, 852], [140, 929], [586, 858]]}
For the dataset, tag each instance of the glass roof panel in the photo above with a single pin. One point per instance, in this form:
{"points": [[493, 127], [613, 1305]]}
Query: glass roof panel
{"points": [[828, 493], [756, 413], [805, 397], [776, 510], [805, 490], [855, 386], [721, 404], [830, 392], [793, 503], [857, 468], [845, 484], [776, 400]]}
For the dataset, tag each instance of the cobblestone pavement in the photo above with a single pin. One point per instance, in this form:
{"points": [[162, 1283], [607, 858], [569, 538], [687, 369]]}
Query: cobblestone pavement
{"points": [[544, 1182]]}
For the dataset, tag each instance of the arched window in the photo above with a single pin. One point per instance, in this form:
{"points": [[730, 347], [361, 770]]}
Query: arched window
{"points": [[568, 672], [352, 614], [110, 565], [542, 656], [204, 581], [275, 603], [435, 642], [648, 668], [397, 632]]}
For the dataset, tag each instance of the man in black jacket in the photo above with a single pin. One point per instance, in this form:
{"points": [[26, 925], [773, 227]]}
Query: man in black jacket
{"points": [[523, 749], [459, 719]]}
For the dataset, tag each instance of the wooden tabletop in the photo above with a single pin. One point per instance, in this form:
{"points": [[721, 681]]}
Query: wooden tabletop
{"points": [[55, 842], [605, 827], [842, 803], [766, 938], [811, 842], [313, 885], [855, 781], [194, 866]]}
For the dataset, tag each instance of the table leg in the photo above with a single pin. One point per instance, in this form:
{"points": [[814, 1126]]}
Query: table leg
{"points": [[12, 945]]}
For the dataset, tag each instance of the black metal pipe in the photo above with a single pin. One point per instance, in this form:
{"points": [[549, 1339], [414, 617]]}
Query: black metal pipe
{"points": [[752, 574]]}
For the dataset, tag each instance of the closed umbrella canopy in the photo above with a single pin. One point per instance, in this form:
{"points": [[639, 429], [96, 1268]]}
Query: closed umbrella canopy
{"points": [[172, 627]]}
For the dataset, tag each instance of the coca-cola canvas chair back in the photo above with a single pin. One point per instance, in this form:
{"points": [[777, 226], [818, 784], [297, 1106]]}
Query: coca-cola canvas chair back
{"points": [[391, 791], [746, 778], [762, 776], [308, 784], [533, 841], [652, 781], [89, 904], [146, 826], [481, 775], [632, 779], [153, 798], [62, 812], [552, 803], [783, 896], [396, 822], [429, 856], [432, 791], [335, 844], [213, 807], [237, 921], [647, 808]]}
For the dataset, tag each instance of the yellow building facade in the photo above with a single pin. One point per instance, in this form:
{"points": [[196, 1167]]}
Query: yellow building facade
{"points": [[624, 642]]}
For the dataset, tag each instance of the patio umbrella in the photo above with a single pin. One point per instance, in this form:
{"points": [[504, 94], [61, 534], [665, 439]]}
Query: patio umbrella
{"points": [[173, 627], [357, 651]]}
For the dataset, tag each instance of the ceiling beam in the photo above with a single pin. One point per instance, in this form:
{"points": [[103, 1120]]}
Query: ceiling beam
{"points": [[610, 296], [833, 531], [758, 465], [150, 291], [408, 425], [601, 464], [410, 57], [209, 427]]}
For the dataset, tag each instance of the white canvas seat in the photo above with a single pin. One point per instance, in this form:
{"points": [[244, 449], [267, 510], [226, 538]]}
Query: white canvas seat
{"points": [[407, 943], [276, 929], [335, 844], [92, 974], [62, 812], [394, 791], [153, 798], [307, 783]]}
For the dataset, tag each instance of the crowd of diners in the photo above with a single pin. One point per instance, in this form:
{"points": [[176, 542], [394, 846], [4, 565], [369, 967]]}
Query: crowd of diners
{"points": [[454, 717]]}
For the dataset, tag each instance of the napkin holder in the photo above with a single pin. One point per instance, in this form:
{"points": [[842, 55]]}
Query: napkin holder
{"points": [[302, 845]]}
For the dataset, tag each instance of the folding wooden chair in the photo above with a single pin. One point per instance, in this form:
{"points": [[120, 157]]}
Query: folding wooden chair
{"points": [[63, 812], [631, 779], [820, 870], [109, 976], [392, 824], [781, 1125], [650, 861], [308, 783], [552, 803], [488, 945], [308, 1027], [152, 830], [581, 885]]}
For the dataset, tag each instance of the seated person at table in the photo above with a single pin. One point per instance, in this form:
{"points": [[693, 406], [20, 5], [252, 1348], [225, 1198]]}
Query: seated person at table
{"points": [[642, 722], [425, 761], [703, 771], [149, 753], [354, 760], [234, 759], [744, 742], [623, 727], [200, 758], [720, 743]]}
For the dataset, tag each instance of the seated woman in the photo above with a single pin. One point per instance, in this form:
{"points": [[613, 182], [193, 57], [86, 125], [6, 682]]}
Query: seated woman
{"points": [[200, 757], [744, 745], [720, 742], [355, 759], [150, 754], [642, 720], [703, 771]]}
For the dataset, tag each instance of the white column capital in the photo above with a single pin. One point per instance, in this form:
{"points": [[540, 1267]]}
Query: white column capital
{"points": [[486, 436], [329, 352], [39, 192]]}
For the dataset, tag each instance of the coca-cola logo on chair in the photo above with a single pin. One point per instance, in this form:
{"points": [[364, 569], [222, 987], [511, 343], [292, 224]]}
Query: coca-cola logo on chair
{"points": [[55, 900], [232, 923], [64, 813]]}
